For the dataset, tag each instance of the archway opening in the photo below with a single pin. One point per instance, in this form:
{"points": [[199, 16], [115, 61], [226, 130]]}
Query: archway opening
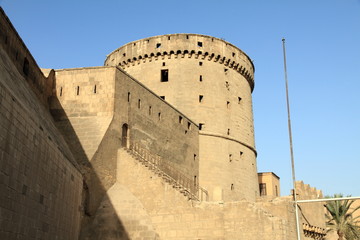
{"points": [[125, 136]]}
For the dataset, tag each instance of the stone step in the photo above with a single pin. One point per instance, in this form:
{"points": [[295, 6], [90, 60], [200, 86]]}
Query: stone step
{"points": [[163, 175]]}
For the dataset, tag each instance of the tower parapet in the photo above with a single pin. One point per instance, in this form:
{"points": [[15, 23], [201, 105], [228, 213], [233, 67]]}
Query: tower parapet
{"points": [[211, 81], [196, 46]]}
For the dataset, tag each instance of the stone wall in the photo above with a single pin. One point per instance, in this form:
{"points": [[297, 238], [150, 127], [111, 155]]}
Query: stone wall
{"points": [[157, 126], [312, 214], [102, 109], [168, 214], [40, 184], [83, 107]]}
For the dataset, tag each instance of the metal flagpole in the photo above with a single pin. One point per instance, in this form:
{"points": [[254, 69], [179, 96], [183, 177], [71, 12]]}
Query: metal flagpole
{"points": [[291, 146]]}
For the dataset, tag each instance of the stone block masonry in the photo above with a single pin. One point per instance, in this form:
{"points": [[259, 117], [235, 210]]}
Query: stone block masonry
{"points": [[172, 216], [211, 81], [40, 184]]}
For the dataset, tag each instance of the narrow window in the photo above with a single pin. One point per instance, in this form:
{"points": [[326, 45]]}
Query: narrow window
{"points": [[187, 36], [228, 104], [200, 44], [227, 85], [200, 79], [24, 189], [139, 103], [228, 131], [194, 157], [230, 157], [189, 125], [128, 97], [164, 75], [241, 153], [26, 67], [201, 126], [77, 90], [60, 91], [180, 119], [262, 187], [276, 191], [201, 98], [195, 183], [168, 38], [233, 54], [162, 97], [163, 64], [159, 116], [150, 110], [200, 63], [158, 45], [124, 54], [239, 100], [95, 89], [232, 187]]}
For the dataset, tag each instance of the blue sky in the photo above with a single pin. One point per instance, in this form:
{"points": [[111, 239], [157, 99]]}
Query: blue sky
{"points": [[323, 57]]}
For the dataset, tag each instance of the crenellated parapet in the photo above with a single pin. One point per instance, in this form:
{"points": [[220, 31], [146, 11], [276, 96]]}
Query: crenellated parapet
{"points": [[305, 191], [179, 46]]}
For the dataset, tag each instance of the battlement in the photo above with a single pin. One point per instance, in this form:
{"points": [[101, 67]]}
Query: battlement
{"points": [[22, 59], [305, 191], [175, 46]]}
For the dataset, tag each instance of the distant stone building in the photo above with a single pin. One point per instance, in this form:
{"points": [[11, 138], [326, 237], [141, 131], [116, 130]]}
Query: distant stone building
{"points": [[269, 184], [156, 144]]}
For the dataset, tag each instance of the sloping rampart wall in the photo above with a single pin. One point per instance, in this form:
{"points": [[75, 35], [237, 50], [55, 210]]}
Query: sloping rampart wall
{"points": [[40, 184]]}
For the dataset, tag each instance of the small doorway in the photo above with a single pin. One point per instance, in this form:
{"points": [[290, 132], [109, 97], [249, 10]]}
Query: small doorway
{"points": [[125, 136]]}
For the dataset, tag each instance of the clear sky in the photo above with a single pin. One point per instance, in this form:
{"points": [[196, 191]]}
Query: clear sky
{"points": [[323, 58]]}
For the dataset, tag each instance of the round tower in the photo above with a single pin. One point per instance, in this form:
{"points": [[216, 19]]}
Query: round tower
{"points": [[210, 81]]}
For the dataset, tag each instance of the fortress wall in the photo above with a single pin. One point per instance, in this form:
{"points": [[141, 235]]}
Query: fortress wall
{"points": [[157, 126], [210, 81], [87, 98], [232, 220], [172, 216], [23, 61], [40, 184], [83, 107], [312, 214], [91, 106]]}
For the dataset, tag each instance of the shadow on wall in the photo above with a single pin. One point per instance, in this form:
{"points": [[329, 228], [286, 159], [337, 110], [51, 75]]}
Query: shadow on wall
{"points": [[99, 218]]}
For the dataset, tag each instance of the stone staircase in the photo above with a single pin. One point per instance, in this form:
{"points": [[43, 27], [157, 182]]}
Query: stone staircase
{"points": [[167, 172]]}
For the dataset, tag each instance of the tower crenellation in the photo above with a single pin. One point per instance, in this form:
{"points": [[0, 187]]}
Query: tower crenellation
{"points": [[196, 46]]}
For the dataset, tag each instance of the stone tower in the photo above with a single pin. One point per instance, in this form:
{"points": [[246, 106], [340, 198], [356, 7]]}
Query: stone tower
{"points": [[210, 81]]}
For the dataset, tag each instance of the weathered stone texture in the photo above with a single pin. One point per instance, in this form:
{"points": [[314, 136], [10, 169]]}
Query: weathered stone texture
{"points": [[173, 216], [210, 81], [40, 184], [154, 124]]}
